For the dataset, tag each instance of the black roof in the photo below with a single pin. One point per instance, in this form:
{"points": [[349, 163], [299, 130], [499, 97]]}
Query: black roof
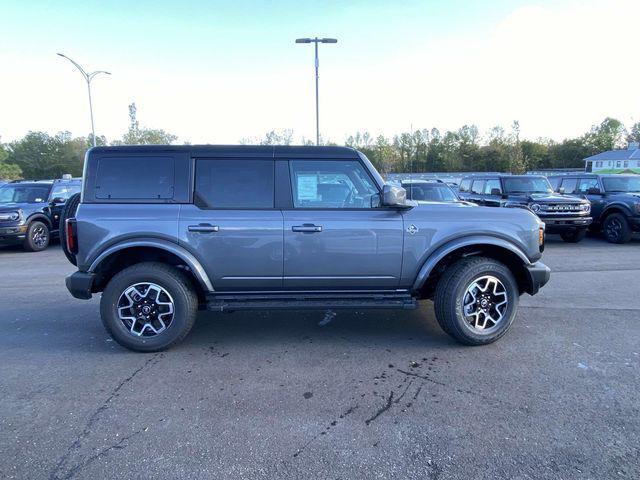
{"points": [[274, 151], [484, 176]]}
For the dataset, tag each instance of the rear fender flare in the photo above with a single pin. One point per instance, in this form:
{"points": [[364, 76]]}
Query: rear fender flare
{"points": [[188, 258]]}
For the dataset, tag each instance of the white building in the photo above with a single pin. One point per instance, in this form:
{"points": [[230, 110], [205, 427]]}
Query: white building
{"points": [[615, 161]]}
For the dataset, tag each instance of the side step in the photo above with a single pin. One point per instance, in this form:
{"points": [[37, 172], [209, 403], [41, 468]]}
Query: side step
{"points": [[309, 301]]}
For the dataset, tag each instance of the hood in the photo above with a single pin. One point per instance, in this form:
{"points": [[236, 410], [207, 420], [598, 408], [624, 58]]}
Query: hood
{"points": [[546, 198], [12, 207]]}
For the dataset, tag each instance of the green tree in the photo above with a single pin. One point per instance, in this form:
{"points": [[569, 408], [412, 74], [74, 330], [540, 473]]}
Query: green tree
{"points": [[8, 171], [137, 135], [42, 156], [608, 135], [634, 133]]}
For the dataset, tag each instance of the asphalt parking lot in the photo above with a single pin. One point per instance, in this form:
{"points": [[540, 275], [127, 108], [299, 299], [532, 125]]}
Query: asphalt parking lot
{"points": [[370, 394]]}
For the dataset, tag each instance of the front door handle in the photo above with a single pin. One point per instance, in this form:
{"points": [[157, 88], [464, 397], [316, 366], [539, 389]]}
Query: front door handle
{"points": [[203, 228], [307, 228]]}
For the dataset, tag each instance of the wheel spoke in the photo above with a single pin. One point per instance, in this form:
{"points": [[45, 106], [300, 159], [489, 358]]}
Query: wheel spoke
{"points": [[485, 304], [145, 309]]}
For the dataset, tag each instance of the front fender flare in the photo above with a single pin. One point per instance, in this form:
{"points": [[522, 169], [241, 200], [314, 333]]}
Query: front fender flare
{"points": [[41, 217], [449, 247], [188, 258]]}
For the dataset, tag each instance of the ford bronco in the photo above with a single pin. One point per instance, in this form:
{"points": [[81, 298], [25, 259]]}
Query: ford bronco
{"points": [[164, 230]]}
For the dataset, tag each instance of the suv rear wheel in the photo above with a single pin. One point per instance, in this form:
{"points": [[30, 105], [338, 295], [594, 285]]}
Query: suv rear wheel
{"points": [[149, 307], [38, 237], [616, 228], [476, 300], [575, 236]]}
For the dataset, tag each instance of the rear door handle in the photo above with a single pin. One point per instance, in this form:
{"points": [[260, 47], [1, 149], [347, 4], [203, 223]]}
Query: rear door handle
{"points": [[307, 228], [203, 228]]}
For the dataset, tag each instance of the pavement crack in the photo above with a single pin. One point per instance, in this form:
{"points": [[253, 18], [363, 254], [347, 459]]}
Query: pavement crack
{"points": [[383, 409], [93, 419], [116, 446]]}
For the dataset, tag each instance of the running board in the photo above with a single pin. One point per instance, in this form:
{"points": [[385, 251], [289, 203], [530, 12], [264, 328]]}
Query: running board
{"points": [[309, 301]]}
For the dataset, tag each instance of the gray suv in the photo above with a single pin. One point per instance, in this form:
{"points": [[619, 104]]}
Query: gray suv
{"points": [[164, 230]]}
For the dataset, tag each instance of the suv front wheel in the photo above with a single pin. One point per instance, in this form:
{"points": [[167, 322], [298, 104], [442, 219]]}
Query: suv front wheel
{"points": [[476, 300], [38, 237], [149, 307], [616, 228]]}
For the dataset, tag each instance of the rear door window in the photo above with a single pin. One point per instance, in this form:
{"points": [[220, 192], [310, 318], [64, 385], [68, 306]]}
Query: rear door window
{"points": [[477, 187], [135, 178], [465, 185], [492, 184], [234, 183]]}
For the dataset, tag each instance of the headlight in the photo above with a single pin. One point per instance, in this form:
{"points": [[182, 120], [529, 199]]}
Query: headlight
{"points": [[534, 207], [586, 207], [9, 216]]}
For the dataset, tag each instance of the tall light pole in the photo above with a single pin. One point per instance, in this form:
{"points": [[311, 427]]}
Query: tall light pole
{"points": [[316, 41], [88, 77]]}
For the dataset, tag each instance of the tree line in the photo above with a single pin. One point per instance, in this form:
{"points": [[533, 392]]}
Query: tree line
{"points": [[39, 155]]}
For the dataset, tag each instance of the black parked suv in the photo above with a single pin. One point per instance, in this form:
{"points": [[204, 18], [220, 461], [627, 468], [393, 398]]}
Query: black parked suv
{"points": [[567, 215], [30, 211], [615, 201]]}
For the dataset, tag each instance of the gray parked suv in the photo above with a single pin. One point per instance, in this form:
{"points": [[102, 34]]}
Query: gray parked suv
{"points": [[164, 230]]}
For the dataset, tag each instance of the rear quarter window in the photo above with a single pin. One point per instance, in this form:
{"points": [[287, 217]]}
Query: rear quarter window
{"points": [[135, 178]]}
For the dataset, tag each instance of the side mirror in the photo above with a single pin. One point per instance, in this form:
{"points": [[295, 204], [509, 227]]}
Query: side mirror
{"points": [[58, 200], [393, 196], [594, 191], [496, 192], [561, 190]]}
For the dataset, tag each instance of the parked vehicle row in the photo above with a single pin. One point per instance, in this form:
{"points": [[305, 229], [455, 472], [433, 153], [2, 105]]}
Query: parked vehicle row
{"points": [[614, 199], [567, 204], [164, 230], [30, 211]]}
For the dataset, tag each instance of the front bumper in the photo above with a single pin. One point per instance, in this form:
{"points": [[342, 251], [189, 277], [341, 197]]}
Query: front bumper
{"points": [[565, 224], [12, 235], [79, 284], [538, 275]]}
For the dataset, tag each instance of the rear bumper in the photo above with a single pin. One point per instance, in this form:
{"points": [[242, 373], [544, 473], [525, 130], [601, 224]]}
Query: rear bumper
{"points": [[565, 224], [538, 276], [79, 284]]}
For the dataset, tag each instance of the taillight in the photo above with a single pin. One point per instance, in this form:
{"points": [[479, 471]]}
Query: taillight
{"points": [[541, 238], [72, 241]]}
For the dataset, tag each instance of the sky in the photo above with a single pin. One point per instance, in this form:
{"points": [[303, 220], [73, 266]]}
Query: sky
{"points": [[218, 72]]}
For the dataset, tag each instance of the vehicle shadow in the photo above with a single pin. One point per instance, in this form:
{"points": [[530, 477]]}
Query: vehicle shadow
{"points": [[271, 329]]}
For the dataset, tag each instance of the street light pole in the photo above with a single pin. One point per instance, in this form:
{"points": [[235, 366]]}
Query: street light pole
{"points": [[316, 41], [88, 77]]}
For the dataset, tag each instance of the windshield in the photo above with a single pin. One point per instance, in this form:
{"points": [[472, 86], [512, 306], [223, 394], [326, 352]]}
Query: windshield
{"points": [[16, 193], [430, 193], [621, 184], [527, 185]]}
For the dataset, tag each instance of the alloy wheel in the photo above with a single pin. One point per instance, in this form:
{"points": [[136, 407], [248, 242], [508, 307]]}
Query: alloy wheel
{"points": [[40, 236], [485, 304], [146, 309]]}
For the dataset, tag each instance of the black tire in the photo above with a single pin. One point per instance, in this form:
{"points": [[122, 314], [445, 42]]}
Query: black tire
{"points": [[451, 291], [574, 236], [616, 228], [173, 282], [69, 211], [38, 237]]}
